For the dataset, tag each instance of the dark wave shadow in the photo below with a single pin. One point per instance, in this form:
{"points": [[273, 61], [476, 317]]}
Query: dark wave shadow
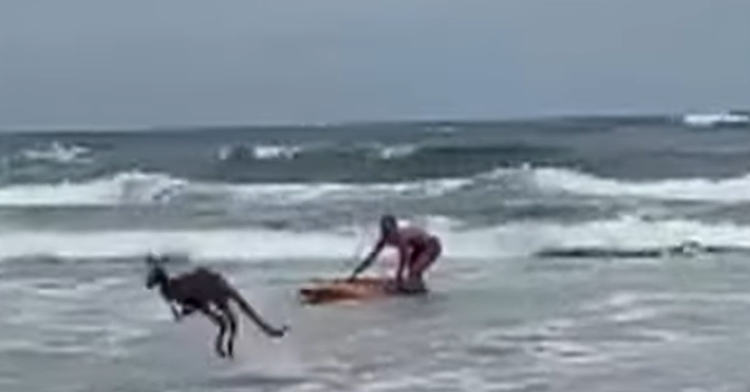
{"points": [[684, 249]]}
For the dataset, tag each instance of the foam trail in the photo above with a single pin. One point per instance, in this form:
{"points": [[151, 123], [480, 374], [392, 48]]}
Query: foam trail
{"points": [[729, 190], [516, 239]]}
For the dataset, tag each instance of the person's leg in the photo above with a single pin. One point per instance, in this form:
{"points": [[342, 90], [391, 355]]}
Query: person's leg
{"points": [[422, 261]]}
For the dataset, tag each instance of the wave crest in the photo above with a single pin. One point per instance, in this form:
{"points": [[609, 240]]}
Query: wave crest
{"points": [[396, 152], [735, 189], [144, 188], [122, 188], [148, 188]]}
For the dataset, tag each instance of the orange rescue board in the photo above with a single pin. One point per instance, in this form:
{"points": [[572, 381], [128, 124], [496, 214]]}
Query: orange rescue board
{"points": [[338, 290]]}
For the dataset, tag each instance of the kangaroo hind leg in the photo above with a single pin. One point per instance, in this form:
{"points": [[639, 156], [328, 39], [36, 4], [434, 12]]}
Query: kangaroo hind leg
{"points": [[221, 323], [231, 319]]}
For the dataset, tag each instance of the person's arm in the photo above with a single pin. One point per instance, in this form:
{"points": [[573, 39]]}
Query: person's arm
{"points": [[369, 259]]}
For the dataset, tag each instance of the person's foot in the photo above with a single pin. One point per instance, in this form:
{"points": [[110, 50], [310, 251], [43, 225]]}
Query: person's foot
{"points": [[413, 286]]}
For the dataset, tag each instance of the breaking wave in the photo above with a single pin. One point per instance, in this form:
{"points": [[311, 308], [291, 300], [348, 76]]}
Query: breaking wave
{"points": [[123, 188], [146, 188], [149, 188], [733, 189]]}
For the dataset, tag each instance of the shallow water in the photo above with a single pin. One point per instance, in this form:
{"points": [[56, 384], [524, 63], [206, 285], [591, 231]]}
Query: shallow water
{"points": [[517, 325]]}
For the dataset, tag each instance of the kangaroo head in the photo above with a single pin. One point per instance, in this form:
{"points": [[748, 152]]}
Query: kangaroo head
{"points": [[157, 275]]}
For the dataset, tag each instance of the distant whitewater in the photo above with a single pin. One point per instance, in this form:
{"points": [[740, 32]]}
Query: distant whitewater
{"points": [[719, 119]]}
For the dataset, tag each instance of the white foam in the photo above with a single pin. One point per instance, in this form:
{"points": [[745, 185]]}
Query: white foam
{"points": [[526, 238], [628, 233], [712, 119], [396, 152], [298, 193], [123, 188], [143, 188], [147, 188], [57, 152], [259, 152], [275, 152], [510, 240], [735, 189]]}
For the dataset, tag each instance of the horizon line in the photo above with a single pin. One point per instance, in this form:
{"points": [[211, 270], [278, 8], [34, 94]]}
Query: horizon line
{"points": [[113, 128]]}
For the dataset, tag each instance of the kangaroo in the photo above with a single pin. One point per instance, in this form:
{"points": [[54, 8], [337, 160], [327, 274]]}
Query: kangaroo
{"points": [[209, 293]]}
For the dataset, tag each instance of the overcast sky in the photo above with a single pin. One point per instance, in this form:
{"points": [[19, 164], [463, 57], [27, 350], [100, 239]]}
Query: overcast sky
{"points": [[166, 62]]}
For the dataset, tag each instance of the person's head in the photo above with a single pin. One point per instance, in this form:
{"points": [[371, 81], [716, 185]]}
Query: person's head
{"points": [[388, 225]]}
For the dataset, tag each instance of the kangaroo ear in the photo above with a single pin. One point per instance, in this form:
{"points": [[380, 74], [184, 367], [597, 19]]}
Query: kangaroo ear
{"points": [[152, 260]]}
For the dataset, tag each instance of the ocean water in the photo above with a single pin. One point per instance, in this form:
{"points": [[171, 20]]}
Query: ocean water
{"points": [[588, 254]]}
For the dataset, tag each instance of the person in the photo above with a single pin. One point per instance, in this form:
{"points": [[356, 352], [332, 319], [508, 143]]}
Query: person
{"points": [[209, 293], [417, 251]]}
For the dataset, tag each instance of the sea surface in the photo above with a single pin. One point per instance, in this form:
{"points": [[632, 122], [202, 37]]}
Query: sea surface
{"points": [[580, 254]]}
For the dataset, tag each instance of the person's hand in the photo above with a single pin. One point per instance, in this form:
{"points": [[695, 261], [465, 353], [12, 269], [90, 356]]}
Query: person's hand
{"points": [[278, 332]]}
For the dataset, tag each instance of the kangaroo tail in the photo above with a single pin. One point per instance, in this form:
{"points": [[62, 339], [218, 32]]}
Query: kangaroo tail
{"points": [[251, 313]]}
